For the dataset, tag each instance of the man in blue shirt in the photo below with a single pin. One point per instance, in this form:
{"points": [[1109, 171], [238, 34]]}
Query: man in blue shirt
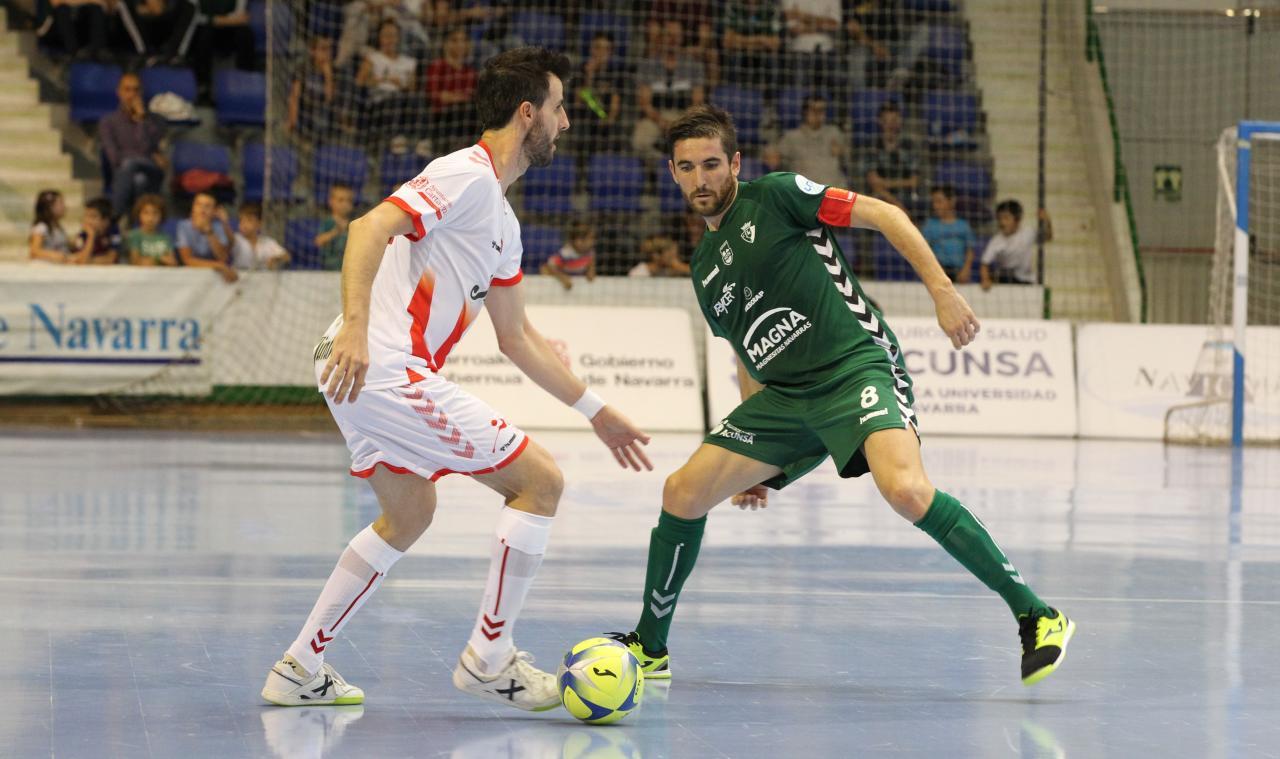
{"points": [[950, 237], [204, 240]]}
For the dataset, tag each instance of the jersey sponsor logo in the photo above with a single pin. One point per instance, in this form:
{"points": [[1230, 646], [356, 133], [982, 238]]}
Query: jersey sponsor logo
{"points": [[477, 293], [786, 325], [752, 298], [434, 196], [721, 307], [748, 232], [808, 186], [729, 431], [863, 419], [726, 253], [497, 245], [710, 276]]}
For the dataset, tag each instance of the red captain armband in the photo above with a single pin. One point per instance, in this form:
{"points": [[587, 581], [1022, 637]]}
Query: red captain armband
{"points": [[837, 207]]}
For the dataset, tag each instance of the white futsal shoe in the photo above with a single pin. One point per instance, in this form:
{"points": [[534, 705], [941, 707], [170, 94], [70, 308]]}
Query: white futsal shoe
{"points": [[288, 684], [519, 684]]}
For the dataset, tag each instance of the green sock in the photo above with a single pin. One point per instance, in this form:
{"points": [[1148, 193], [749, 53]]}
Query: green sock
{"points": [[964, 537], [673, 550]]}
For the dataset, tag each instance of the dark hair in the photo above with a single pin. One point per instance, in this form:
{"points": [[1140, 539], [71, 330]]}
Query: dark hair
{"points": [[341, 186], [888, 106], [388, 22], [947, 190], [602, 35], [815, 98], [580, 228], [704, 121], [150, 199], [513, 77], [249, 208], [101, 205], [1011, 206], [44, 208]]}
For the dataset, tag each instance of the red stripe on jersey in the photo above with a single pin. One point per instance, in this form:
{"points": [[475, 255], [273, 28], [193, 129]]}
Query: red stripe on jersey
{"points": [[434, 207], [418, 231], [458, 328], [420, 310], [506, 282], [837, 207], [514, 454], [413, 376], [493, 163], [367, 473]]}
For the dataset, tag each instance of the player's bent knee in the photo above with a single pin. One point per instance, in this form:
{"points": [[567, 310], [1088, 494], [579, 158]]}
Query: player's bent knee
{"points": [[543, 490], [680, 498], [909, 498]]}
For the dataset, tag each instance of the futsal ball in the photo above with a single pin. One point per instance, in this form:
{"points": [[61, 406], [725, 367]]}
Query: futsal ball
{"points": [[600, 681]]}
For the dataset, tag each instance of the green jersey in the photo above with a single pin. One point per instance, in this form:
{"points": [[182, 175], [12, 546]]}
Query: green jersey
{"points": [[773, 282]]}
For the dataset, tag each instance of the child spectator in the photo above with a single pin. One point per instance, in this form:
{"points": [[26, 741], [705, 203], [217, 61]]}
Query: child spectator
{"points": [[576, 259], [661, 259], [332, 240], [48, 241], [1009, 257], [99, 238], [950, 237], [204, 239], [252, 249], [148, 245]]}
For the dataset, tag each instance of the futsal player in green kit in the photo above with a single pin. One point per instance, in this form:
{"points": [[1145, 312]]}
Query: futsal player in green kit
{"points": [[821, 375]]}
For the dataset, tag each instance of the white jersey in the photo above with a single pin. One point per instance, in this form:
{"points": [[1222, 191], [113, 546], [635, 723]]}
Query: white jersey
{"points": [[432, 283]]}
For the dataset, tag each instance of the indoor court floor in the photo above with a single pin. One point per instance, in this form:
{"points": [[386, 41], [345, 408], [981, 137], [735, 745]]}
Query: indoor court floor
{"points": [[150, 579]]}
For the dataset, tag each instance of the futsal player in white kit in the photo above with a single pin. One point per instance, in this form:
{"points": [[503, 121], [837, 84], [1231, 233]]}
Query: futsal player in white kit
{"points": [[418, 268]]}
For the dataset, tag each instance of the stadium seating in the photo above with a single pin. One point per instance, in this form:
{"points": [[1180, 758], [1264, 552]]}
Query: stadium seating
{"points": [[240, 97], [300, 241], [791, 108], [970, 180], [615, 182], [951, 119], [180, 81], [548, 190], [888, 262], [670, 199], [539, 242], [93, 91], [544, 29], [199, 155], [948, 48], [334, 164], [616, 26], [864, 108], [752, 168], [284, 170], [398, 168], [746, 106]]}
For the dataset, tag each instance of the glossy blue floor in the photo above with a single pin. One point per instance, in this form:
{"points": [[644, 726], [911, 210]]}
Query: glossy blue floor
{"points": [[150, 579]]}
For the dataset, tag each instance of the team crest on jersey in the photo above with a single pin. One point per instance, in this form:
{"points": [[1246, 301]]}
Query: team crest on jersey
{"points": [[749, 232], [808, 186], [726, 253]]}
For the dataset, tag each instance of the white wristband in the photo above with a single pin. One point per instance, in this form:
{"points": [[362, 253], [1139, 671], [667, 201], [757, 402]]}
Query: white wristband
{"points": [[589, 404]]}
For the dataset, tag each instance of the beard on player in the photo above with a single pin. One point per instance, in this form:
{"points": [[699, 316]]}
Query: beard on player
{"points": [[709, 201], [539, 146]]}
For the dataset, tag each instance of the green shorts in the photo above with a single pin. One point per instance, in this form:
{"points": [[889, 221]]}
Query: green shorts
{"points": [[797, 428]]}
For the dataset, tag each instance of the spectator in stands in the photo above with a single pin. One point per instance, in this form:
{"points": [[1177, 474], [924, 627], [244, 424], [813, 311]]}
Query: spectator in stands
{"points": [[69, 16], [812, 30], [332, 240], [99, 238], [451, 85], [251, 249], [311, 96], [892, 168], [814, 149], [131, 139], [48, 241], [204, 239], [661, 259], [687, 230], [883, 49], [221, 25], [149, 245], [949, 236], [158, 28], [597, 102], [362, 18], [576, 259], [751, 40], [666, 84], [1010, 255], [393, 106], [697, 24]]}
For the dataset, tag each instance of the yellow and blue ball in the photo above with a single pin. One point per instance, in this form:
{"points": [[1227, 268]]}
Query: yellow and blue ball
{"points": [[600, 681]]}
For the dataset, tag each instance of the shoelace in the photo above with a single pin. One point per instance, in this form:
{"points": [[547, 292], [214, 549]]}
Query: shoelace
{"points": [[328, 669]]}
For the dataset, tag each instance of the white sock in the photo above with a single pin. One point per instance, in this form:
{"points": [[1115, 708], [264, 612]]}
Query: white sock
{"points": [[358, 574], [519, 542]]}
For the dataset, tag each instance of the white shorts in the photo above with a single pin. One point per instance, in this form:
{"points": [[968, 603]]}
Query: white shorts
{"points": [[429, 428]]}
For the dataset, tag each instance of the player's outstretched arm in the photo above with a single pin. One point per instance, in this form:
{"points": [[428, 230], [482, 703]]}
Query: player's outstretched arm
{"points": [[955, 317], [530, 352], [366, 241]]}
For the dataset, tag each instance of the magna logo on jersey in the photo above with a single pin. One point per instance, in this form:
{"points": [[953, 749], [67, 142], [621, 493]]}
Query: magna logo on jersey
{"points": [[726, 253], [721, 307], [781, 327]]}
